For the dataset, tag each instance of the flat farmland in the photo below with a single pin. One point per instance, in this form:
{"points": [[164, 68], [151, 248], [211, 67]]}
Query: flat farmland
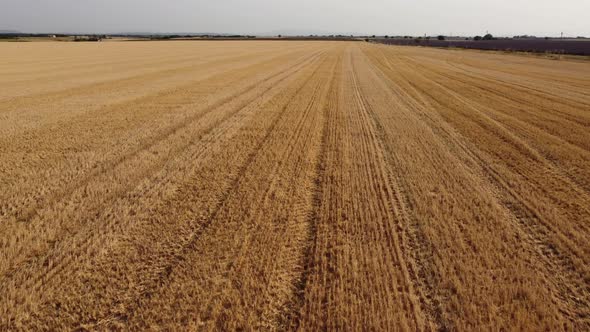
{"points": [[273, 185]]}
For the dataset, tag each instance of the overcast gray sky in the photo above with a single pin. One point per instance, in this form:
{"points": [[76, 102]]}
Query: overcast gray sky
{"points": [[393, 17]]}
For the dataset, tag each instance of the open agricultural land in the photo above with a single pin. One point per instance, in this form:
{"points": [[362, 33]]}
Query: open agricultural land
{"points": [[292, 185]]}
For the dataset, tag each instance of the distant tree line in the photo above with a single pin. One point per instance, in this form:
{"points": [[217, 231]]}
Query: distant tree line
{"points": [[91, 38], [29, 35], [486, 37], [439, 37], [176, 36]]}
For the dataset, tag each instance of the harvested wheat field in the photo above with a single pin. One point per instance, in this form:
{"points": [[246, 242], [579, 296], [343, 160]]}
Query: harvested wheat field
{"points": [[292, 186]]}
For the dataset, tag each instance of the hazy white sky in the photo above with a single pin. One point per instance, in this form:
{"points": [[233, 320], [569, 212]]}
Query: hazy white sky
{"points": [[393, 17]]}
